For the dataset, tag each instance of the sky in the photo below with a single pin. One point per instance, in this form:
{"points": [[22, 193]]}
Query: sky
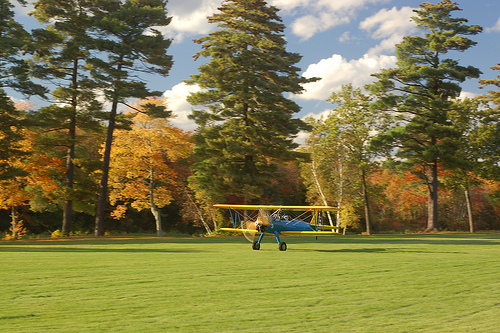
{"points": [[341, 41]]}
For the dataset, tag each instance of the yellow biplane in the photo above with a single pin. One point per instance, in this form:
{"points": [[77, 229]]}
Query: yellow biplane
{"points": [[255, 220]]}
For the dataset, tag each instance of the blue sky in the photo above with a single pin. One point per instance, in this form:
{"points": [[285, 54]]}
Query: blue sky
{"points": [[342, 41]]}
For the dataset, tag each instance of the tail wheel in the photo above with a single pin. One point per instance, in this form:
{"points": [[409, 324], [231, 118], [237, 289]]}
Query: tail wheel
{"points": [[256, 245], [282, 246]]}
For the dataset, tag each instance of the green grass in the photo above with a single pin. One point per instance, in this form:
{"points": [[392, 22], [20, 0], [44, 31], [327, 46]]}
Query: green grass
{"points": [[404, 283]]}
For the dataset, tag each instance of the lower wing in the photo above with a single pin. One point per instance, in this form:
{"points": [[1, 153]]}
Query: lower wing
{"points": [[318, 233], [239, 230]]}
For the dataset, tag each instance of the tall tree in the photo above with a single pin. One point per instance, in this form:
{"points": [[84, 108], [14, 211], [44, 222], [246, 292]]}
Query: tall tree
{"points": [[63, 52], [421, 90], [247, 125], [15, 42], [128, 37]]}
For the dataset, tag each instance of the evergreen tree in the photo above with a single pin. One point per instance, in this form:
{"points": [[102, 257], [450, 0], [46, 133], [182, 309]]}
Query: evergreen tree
{"points": [[62, 56], [15, 42], [127, 37], [247, 124], [421, 90]]}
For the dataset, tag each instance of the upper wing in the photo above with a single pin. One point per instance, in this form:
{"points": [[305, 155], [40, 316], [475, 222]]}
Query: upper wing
{"points": [[328, 233], [274, 207]]}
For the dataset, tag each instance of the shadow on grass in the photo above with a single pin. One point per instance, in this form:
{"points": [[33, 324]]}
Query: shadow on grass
{"points": [[419, 239], [112, 244], [91, 250], [372, 250], [17, 317]]}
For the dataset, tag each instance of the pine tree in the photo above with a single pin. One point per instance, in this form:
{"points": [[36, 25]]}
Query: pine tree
{"points": [[421, 90], [247, 124], [128, 39], [15, 43], [63, 52]]}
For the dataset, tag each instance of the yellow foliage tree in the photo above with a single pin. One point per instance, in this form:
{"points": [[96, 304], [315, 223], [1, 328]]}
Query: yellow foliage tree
{"points": [[143, 173]]}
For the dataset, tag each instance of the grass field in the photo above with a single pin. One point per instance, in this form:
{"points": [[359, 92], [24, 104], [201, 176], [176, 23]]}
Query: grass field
{"points": [[403, 283]]}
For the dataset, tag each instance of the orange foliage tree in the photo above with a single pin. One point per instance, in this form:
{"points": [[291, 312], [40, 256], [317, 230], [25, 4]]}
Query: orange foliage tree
{"points": [[144, 171], [401, 202], [13, 180]]}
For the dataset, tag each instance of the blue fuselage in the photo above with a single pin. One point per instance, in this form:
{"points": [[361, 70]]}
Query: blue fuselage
{"points": [[278, 225]]}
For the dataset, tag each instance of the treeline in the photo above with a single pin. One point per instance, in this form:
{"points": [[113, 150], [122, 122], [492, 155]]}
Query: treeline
{"points": [[403, 154]]}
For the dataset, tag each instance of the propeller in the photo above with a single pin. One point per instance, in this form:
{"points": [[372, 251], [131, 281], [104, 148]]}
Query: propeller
{"points": [[251, 228], [263, 219]]}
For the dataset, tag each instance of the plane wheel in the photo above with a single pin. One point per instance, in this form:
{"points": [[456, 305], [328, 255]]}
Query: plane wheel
{"points": [[256, 245], [282, 246]]}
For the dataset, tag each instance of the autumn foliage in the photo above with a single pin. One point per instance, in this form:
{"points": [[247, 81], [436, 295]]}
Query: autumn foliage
{"points": [[385, 158], [146, 169]]}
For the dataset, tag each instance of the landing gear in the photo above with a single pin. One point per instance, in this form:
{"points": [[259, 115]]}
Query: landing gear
{"points": [[282, 246], [256, 245]]}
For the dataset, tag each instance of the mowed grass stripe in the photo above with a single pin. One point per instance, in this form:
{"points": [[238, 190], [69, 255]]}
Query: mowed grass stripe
{"points": [[408, 283]]}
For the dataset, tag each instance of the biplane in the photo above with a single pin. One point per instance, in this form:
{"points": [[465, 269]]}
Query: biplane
{"points": [[256, 220]]}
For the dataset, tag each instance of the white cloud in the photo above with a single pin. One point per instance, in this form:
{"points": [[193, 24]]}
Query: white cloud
{"points": [[309, 25], [318, 116], [391, 25], [181, 109], [387, 21], [345, 37], [189, 18], [466, 94], [320, 15], [301, 138], [494, 28], [289, 5], [336, 71]]}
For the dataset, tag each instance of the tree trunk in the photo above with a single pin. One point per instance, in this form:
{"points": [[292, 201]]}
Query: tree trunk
{"points": [[14, 222], [340, 192], [70, 168], [198, 212], [432, 205], [469, 210], [70, 174], [320, 191], [366, 203], [154, 208], [103, 187]]}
